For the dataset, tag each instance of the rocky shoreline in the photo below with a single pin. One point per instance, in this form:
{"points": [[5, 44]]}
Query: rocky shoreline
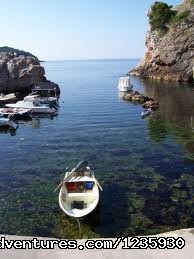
{"points": [[19, 73], [136, 97]]}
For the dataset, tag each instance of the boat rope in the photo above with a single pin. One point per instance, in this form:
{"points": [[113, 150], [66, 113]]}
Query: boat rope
{"points": [[79, 225]]}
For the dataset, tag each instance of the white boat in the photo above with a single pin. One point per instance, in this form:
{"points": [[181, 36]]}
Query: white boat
{"points": [[49, 100], [79, 194], [45, 100], [45, 91], [145, 113], [125, 84], [14, 113], [33, 103], [7, 98]]}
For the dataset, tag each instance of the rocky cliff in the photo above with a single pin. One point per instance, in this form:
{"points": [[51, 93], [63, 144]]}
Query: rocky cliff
{"points": [[19, 73], [170, 44], [16, 51]]}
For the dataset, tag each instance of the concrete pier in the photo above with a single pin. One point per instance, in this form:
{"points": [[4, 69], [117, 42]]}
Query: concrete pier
{"points": [[119, 252]]}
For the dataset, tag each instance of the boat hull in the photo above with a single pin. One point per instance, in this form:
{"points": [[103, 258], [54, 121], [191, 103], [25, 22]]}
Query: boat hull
{"points": [[37, 109], [146, 113], [125, 84], [7, 98], [88, 198], [124, 89]]}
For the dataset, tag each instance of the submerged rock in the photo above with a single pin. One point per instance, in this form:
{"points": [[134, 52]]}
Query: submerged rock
{"points": [[19, 73], [151, 104]]}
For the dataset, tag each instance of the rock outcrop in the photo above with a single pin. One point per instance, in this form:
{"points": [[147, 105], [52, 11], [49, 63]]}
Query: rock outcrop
{"points": [[138, 98], [170, 54], [16, 51], [19, 73]]}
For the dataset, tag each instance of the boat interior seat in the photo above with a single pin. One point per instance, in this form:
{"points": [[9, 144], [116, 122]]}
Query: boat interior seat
{"points": [[89, 197], [78, 205], [83, 173]]}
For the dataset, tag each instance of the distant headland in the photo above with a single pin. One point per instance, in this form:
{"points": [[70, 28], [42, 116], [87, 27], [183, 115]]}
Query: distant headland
{"points": [[7, 49], [170, 43]]}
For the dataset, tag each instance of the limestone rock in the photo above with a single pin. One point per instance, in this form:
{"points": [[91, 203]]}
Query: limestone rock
{"points": [[138, 98], [170, 55], [151, 104], [19, 73]]}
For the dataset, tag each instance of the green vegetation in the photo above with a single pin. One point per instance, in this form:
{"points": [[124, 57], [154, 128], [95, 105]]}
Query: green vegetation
{"points": [[19, 52], [180, 16], [161, 14]]}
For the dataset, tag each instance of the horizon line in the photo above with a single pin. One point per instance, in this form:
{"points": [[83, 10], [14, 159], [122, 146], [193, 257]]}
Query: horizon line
{"points": [[88, 59]]}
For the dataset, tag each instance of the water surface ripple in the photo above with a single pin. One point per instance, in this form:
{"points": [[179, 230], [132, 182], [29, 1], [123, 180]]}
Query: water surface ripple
{"points": [[146, 166]]}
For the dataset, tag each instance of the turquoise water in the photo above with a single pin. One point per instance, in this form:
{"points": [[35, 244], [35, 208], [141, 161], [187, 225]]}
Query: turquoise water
{"points": [[146, 167]]}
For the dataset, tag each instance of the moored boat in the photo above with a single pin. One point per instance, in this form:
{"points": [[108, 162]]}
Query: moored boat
{"points": [[7, 98], [79, 193], [45, 90], [33, 103], [50, 100], [125, 84], [14, 113], [146, 112]]}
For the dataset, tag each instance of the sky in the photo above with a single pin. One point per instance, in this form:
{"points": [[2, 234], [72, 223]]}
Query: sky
{"points": [[76, 29]]}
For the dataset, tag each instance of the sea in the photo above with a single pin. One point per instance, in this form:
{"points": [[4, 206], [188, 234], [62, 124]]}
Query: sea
{"points": [[145, 166]]}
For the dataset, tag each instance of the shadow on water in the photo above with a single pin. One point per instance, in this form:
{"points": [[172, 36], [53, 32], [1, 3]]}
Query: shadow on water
{"points": [[7, 129], [68, 227], [97, 223], [115, 202], [164, 201], [33, 120], [176, 113]]}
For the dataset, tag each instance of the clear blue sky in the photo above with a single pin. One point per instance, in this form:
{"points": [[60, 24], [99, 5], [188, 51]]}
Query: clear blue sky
{"points": [[76, 29]]}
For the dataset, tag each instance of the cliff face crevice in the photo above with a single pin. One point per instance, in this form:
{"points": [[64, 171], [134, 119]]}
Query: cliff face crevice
{"points": [[170, 54]]}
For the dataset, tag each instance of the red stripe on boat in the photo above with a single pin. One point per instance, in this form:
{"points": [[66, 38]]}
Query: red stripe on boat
{"points": [[71, 186]]}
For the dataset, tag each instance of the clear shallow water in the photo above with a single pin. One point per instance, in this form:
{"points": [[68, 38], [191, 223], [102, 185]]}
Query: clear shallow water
{"points": [[146, 167]]}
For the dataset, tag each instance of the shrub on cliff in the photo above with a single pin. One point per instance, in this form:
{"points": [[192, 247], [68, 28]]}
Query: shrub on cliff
{"points": [[161, 14], [181, 16]]}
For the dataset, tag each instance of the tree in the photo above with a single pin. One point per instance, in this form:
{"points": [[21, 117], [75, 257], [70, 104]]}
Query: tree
{"points": [[160, 15]]}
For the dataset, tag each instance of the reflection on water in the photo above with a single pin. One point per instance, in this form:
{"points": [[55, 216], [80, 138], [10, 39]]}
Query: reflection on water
{"points": [[33, 121], [176, 114], [145, 166], [7, 129], [176, 101]]}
